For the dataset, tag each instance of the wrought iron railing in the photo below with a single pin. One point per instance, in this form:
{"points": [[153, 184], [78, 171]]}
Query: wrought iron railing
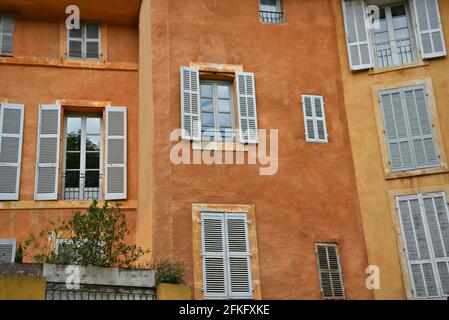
{"points": [[272, 16], [397, 52], [78, 187]]}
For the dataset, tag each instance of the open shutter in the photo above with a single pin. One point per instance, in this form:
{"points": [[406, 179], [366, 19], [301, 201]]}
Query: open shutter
{"points": [[238, 257], [6, 33], [331, 277], [92, 40], [116, 155], [190, 104], [214, 257], [430, 29], [247, 107], [7, 250], [314, 119], [75, 43], [11, 135], [47, 160], [357, 39]]}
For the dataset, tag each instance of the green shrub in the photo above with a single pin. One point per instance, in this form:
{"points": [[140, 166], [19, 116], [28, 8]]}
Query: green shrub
{"points": [[168, 271]]}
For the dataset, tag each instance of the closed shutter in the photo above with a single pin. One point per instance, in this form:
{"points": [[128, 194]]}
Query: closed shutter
{"points": [[6, 33], [425, 229], [247, 107], [75, 43], [7, 250], [47, 159], [330, 273], [190, 104], [92, 40], [357, 39], [215, 281], [430, 29], [116, 154], [314, 119], [11, 136]]}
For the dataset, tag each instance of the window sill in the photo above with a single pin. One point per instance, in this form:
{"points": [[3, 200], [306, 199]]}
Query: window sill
{"points": [[389, 175], [416, 64], [73, 64], [58, 204], [220, 146]]}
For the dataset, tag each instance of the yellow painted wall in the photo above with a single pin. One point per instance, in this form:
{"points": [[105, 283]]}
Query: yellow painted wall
{"points": [[22, 288], [376, 192], [166, 291]]}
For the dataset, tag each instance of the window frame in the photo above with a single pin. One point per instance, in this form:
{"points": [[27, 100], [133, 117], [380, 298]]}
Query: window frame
{"points": [[84, 40]]}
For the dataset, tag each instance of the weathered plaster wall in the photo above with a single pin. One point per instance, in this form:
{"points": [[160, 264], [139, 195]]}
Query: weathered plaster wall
{"points": [[377, 207], [313, 196]]}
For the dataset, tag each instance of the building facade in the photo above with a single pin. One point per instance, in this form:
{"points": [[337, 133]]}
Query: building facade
{"points": [[396, 90]]}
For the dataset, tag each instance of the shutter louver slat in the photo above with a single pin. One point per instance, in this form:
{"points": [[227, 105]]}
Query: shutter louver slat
{"points": [[247, 107], [11, 135], [7, 250], [47, 161], [190, 104], [116, 154], [331, 278]]}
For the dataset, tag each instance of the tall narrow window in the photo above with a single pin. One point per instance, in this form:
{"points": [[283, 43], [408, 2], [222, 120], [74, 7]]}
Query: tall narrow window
{"points": [[331, 276], [271, 11], [82, 174], [314, 119], [84, 43], [6, 35], [425, 231]]}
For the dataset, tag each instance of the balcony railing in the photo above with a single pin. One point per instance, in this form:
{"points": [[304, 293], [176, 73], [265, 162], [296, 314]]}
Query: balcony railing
{"points": [[78, 187], [397, 52], [272, 16]]}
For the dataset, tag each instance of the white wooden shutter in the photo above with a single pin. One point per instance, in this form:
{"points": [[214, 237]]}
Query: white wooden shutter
{"points": [[357, 38], [247, 107], [92, 41], [190, 104], [7, 250], [116, 154], [314, 119], [238, 257], [330, 273], [215, 281], [6, 35], [48, 149], [11, 136], [430, 29]]}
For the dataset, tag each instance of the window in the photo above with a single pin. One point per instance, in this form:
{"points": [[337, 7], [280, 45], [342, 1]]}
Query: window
{"points": [[271, 11], [424, 223], [217, 111], [226, 257], [7, 250], [6, 35], [329, 267], [84, 43], [314, 119], [82, 174], [396, 41], [408, 129]]}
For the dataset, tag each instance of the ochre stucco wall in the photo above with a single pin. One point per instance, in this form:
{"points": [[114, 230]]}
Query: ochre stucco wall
{"points": [[22, 288], [377, 207], [313, 196]]}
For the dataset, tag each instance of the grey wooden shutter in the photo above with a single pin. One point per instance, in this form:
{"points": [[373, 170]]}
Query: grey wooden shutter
{"points": [[7, 250], [314, 119], [6, 33], [247, 107], [116, 154], [330, 273], [190, 104], [92, 41], [48, 149], [75, 42], [357, 39], [430, 29], [215, 281], [11, 137]]}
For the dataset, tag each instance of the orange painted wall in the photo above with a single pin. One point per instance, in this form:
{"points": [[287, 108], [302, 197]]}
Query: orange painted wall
{"points": [[313, 196], [42, 84]]}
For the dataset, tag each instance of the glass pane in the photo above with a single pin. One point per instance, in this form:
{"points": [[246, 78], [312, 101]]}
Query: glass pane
{"points": [[268, 5], [73, 142], [73, 125], [223, 92], [224, 106], [93, 143], [72, 161], [72, 179], [92, 31], [207, 119], [93, 160], [207, 105], [206, 91], [398, 10], [75, 33], [93, 125], [225, 121], [92, 179]]}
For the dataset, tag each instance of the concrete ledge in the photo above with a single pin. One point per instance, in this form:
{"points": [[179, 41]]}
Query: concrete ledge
{"points": [[167, 291], [19, 269]]}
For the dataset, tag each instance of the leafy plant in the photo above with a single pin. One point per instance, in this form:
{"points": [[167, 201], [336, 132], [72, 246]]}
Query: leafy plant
{"points": [[168, 271], [19, 254], [95, 237]]}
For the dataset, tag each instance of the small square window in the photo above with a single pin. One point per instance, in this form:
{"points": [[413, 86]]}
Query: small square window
{"points": [[84, 43], [271, 11]]}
